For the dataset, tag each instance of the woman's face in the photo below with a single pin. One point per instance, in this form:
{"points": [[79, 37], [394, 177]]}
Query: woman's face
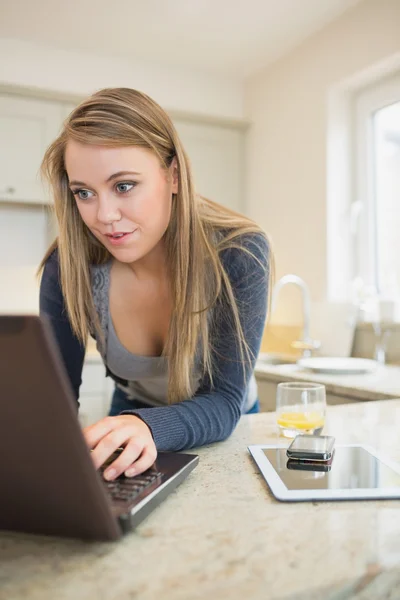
{"points": [[122, 190]]}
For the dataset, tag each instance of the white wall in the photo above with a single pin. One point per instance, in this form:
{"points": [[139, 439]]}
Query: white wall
{"points": [[287, 144], [30, 64]]}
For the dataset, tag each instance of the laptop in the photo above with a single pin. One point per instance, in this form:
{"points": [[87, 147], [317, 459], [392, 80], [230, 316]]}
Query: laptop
{"points": [[50, 485]]}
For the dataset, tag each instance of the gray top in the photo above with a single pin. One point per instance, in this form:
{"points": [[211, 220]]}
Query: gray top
{"points": [[147, 376]]}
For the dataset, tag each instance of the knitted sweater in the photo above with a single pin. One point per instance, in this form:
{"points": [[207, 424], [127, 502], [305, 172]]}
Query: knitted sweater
{"points": [[213, 412]]}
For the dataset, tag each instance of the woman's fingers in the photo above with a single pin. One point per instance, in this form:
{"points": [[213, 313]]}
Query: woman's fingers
{"points": [[109, 434], [143, 463], [94, 433], [134, 449], [109, 444]]}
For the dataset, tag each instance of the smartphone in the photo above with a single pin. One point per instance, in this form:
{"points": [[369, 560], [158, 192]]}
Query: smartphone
{"points": [[311, 447]]}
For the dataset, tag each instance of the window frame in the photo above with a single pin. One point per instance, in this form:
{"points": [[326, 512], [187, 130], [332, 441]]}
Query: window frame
{"points": [[363, 210]]}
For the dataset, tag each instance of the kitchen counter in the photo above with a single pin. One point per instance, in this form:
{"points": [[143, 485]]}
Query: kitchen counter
{"points": [[383, 383], [222, 535]]}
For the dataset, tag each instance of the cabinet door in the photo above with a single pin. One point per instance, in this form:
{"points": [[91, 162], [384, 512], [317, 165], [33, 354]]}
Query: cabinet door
{"points": [[91, 409], [93, 378], [266, 394], [333, 399], [216, 154], [95, 392], [67, 108], [27, 128]]}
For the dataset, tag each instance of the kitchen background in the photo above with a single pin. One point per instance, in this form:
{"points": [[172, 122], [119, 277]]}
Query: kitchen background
{"points": [[290, 112]]}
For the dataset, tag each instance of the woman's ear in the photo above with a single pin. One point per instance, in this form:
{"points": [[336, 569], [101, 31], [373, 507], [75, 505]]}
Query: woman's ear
{"points": [[174, 175]]}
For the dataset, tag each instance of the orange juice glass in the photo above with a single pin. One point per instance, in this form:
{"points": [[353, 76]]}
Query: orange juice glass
{"points": [[300, 408]]}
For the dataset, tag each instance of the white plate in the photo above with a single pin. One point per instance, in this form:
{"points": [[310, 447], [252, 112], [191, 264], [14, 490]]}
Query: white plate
{"points": [[333, 365]]}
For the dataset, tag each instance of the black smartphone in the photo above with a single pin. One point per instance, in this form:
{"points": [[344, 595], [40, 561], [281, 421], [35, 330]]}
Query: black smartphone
{"points": [[311, 447]]}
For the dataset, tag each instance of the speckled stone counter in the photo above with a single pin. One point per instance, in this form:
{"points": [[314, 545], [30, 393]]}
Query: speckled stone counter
{"points": [[222, 535], [382, 383]]}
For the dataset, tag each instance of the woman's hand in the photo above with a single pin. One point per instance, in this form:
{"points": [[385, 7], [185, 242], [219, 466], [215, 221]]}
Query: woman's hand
{"points": [[105, 436]]}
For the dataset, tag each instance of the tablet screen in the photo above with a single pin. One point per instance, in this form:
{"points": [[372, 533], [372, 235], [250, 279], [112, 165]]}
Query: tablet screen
{"points": [[352, 467]]}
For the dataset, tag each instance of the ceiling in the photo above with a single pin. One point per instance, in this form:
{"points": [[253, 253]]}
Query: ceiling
{"points": [[230, 37]]}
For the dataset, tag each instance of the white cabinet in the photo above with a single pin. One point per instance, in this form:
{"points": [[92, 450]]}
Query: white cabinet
{"points": [[90, 409], [27, 128], [95, 392], [67, 108], [216, 154], [267, 396], [333, 399], [29, 125]]}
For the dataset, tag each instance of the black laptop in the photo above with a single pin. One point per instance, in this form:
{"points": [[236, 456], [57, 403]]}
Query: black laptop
{"points": [[49, 483]]}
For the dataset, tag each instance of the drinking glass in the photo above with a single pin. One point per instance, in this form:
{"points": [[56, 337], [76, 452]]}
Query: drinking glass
{"points": [[300, 408]]}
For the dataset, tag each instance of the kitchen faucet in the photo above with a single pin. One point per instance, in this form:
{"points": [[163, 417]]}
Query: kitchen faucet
{"points": [[306, 344]]}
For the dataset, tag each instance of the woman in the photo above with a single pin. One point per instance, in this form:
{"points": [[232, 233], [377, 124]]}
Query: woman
{"points": [[172, 286]]}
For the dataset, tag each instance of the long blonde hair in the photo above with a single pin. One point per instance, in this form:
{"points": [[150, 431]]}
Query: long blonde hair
{"points": [[199, 230]]}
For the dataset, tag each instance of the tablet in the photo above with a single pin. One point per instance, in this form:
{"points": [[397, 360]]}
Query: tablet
{"points": [[356, 472]]}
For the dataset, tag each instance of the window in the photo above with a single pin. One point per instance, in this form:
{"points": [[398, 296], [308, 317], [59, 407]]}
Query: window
{"points": [[376, 208]]}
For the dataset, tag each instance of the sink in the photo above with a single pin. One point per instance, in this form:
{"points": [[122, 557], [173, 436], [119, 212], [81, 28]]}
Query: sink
{"points": [[269, 358]]}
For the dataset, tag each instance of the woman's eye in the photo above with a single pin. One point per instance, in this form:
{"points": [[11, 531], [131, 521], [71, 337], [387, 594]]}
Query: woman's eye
{"points": [[82, 194], [124, 188]]}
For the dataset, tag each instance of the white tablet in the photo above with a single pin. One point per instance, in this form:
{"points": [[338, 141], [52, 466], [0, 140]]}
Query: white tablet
{"points": [[356, 472]]}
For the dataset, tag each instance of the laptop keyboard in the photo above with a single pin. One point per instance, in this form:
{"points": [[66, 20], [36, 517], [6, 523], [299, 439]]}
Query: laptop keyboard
{"points": [[126, 489]]}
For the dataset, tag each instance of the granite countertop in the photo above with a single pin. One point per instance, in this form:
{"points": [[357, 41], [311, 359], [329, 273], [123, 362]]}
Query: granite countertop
{"points": [[382, 383], [222, 535]]}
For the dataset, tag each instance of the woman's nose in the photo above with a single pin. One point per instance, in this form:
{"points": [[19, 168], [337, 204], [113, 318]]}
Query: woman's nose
{"points": [[108, 211]]}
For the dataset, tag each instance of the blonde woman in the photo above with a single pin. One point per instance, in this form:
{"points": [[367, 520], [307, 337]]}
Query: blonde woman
{"points": [[173, 287]]}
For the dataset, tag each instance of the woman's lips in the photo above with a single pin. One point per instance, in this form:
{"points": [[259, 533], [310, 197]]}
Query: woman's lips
{"points": [[120, 240]]}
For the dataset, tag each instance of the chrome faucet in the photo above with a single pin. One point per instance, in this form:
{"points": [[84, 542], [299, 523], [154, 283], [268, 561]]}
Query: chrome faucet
{"points": [[306, 344]]}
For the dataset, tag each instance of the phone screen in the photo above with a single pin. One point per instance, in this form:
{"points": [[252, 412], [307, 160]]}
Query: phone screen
{"points": [[313, 443]]}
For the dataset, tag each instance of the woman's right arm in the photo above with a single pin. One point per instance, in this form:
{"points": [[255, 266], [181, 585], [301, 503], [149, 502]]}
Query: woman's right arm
{"points": [[52, 305]]}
